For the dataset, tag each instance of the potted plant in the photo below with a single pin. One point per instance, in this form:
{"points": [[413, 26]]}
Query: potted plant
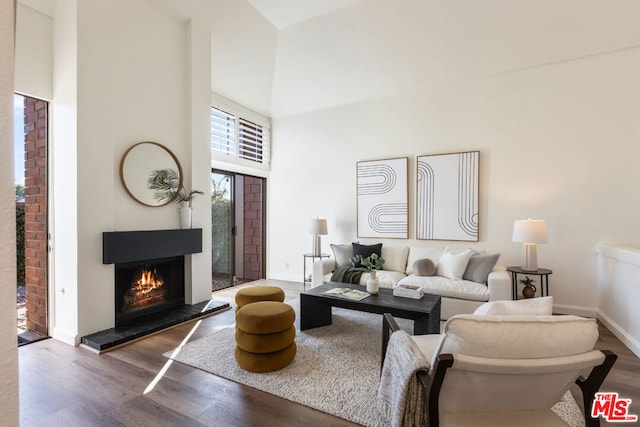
{"points": [[370, 264], [529, 290], [166, 184]]}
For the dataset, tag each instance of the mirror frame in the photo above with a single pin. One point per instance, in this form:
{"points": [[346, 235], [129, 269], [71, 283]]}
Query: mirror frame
{"points": [[124, 182]]}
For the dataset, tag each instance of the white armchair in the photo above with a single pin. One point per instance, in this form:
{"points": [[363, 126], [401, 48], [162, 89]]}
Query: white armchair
{"points": [[506, 370]]}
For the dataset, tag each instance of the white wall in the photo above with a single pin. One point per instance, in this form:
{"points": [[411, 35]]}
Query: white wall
{"points": [[34, 53], [130, 74], [619, 293], [552, 114], [8, 341]]}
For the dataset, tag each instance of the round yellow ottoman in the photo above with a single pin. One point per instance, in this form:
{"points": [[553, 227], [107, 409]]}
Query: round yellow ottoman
{"points": [[258, 293], [265, 317], [265, 362], [265, 336]]}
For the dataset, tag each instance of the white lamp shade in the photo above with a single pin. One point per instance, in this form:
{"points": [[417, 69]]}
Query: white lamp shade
{"points": [[530, 231], [318, 227]]}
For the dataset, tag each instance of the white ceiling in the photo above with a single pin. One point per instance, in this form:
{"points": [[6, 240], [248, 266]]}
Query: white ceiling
{"points": [[48, 7], [283, 13]]}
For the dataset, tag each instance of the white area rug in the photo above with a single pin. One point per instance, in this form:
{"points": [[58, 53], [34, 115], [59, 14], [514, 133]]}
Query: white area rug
{"points": [[336, 369]]}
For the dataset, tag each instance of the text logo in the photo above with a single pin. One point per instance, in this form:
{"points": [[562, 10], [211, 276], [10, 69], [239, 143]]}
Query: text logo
{"points": [[612, 408]]}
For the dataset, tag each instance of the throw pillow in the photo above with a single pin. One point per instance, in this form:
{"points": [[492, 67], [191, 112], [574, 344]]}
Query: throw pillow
{"points": [[479, 267], [395, 258], [342, 254], [366, 250], [416, 253], [424, 267], [452, 265], [533, 306]]}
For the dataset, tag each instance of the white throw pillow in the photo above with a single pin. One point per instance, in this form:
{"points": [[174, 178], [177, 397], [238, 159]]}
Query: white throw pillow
{"points": [[533, 306], [395, 258], [416, 253], [452, 265]]}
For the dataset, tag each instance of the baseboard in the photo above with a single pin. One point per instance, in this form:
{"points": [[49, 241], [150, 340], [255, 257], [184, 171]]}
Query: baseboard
{"points": [[66, 337], [620, 333], [286, 277], [575, 310]]}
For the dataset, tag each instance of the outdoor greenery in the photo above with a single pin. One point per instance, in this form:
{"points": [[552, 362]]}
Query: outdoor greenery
{"points": [[20, 234], [220, 228]]}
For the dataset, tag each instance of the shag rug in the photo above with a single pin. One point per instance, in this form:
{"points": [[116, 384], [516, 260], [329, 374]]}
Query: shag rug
{"points": [[336, 368]]}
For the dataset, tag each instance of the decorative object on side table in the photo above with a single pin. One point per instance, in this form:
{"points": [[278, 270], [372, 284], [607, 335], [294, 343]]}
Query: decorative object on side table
{"points": [[408, 291], [370, 264], [317, 228], [529, 291], [529, 232]]}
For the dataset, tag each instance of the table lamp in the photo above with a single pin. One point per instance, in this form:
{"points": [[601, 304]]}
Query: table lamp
{"points": [[529, 232], [318, 228]]}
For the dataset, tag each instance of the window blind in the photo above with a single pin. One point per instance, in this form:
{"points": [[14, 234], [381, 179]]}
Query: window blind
{"points": [[250, 141]]}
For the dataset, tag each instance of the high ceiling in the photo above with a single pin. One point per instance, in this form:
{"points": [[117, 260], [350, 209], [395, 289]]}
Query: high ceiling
{"points": [[283, 13]]}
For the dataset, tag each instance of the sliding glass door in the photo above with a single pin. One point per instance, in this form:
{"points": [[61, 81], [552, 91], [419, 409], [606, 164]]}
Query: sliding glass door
{"points": [[222, 229]]}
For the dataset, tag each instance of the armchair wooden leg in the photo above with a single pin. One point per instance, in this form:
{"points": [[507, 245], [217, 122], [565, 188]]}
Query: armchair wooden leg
{"points": [[389, 326], [590, 386]]}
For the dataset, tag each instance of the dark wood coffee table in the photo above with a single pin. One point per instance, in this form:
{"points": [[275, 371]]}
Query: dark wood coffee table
{"points": [[315, 307]]}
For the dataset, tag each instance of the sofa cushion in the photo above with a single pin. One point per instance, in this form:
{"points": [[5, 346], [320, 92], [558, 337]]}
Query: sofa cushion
{"points": [[518, 337], [416, 253], [395, 258], [437, 285], [424, 267], [366, 250], [453, 265], [342, 255], [479, 267], [533, 306]]}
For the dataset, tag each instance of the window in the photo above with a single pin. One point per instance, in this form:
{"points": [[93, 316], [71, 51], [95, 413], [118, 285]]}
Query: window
{"points": [[239, 136]]}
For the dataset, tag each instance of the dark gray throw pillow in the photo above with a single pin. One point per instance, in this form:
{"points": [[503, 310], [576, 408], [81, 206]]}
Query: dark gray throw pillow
{"points": [[424, 267], [366, 250], [479, 267], [342, 254]]}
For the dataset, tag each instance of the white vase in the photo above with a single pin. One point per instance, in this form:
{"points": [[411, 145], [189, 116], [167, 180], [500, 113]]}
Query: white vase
{"points": [[185, 217], [372, 283]]}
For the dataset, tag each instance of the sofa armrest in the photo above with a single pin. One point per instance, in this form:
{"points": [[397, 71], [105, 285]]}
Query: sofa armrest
{"points": [[499, 284], [320, 269]]}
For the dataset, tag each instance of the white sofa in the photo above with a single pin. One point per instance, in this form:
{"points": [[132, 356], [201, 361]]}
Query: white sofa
{"points": [[459, 296]]}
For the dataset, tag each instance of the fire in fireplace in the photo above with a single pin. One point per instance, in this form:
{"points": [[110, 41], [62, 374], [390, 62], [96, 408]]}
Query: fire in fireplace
{"points": [[147, 287]]}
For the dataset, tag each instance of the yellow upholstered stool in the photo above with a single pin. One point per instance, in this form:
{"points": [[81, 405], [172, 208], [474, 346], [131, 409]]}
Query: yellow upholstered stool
{"points": [[258, 293], [265, 336]]}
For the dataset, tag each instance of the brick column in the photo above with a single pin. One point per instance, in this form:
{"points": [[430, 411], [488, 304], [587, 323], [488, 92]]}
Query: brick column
{"points": [[35, 190], [253, 220]]}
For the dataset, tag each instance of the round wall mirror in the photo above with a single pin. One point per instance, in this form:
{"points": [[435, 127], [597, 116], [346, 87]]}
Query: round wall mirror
{"points": [[151, 174]]}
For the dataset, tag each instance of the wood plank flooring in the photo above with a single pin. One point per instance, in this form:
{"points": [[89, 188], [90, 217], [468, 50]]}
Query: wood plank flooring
{"points": [[135, 385]]}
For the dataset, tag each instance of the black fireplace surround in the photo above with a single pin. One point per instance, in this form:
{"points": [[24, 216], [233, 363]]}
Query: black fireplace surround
{"points": [[158, 256]]}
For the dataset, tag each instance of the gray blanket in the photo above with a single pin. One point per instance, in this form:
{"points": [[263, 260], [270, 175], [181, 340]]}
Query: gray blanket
{"points": [[400, 395], [347, 275]]}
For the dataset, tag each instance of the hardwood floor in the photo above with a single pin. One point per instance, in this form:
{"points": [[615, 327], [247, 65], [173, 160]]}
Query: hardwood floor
{"points": [[135, 385]]}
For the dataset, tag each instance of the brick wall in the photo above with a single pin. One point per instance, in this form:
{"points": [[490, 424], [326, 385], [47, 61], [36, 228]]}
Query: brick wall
{"points": [[35, 127], [253, 202]]}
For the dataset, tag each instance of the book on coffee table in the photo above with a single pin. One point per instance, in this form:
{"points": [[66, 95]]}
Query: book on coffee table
{"points": [[353, 294]]}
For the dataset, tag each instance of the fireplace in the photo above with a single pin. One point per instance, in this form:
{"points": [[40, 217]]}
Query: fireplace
{"points": [[150, 286]]}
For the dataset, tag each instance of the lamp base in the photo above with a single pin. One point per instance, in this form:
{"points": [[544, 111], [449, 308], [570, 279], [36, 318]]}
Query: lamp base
{"points": [[529, 257], [316, 249]]}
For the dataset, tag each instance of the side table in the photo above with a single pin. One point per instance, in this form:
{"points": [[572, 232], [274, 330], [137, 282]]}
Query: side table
{"points": [[304, 269], [543, 273]]}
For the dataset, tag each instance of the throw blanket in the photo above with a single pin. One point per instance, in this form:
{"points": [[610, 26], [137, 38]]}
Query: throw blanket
{"points": [[400, 395], [347, 275]]}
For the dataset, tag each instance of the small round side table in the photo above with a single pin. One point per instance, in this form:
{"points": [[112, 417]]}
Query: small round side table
{"points": [[543, 273]]}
